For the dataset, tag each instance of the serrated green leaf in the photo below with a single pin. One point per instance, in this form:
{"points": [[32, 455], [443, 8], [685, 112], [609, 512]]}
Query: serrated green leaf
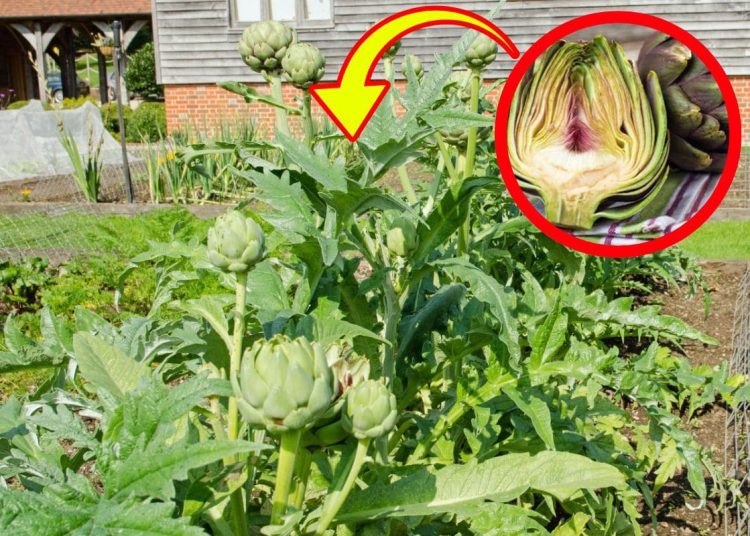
{"points": [[106, 367]]}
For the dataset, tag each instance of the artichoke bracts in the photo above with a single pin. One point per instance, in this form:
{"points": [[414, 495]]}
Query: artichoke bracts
{"points": [[303, 65], [587, 136], [370, 410], [264, 44], [697, 116], [235, 243], [481, 53], [284, 384]]}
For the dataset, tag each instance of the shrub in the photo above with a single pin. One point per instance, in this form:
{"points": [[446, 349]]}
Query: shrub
{"points": [[148, 121], [111, 119], [140, 75], [71, 104], [17, 104]]}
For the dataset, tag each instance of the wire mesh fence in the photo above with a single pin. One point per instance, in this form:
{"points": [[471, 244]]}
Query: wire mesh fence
{"points": [[737, 432]]}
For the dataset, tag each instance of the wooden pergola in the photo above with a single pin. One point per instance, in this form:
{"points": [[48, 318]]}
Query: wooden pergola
{"points": [[47, 28]]}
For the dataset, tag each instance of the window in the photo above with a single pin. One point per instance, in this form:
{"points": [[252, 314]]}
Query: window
{"points": [[300, 13]]}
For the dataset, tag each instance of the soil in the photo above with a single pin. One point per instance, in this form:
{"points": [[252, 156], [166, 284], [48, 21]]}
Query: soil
{"points": [[675, 515]]}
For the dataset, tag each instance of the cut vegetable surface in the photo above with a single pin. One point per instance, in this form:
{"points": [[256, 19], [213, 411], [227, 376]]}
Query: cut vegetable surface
{"points": [[587, 136]]}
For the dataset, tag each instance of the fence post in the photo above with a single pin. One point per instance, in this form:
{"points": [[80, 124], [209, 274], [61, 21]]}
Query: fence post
{"points": [[117, 31]]}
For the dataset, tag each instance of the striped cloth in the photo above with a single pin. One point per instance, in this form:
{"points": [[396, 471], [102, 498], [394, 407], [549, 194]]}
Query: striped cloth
{"points": [[682, 195]]}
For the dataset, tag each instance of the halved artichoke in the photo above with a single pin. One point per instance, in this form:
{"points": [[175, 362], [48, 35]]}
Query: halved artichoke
{"points": [[587, 136]]}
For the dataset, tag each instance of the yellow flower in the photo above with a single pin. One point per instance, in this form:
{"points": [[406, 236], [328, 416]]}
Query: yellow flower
{"points": [[170, 155], [160, 161], [25, 193]]}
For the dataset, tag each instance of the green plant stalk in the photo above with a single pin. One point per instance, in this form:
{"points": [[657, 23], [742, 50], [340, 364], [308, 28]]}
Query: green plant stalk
{"points": [[471, 150], [284, 472], [237, 500], [299, 481], [447, 161], [403, 174], [235, 352], [307, 120], [282, 120], [336, 498]]}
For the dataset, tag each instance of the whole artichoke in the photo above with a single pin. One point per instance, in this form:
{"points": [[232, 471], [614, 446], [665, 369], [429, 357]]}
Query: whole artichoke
{"points": [[370, 410], [481, 53], [587, 136], [303, 65], [284, 384], [264, 44], [401, 239], [416, 65], [696, 113], [235, 243], [392, 50]]}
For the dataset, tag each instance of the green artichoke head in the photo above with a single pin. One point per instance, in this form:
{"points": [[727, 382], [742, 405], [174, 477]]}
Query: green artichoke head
{"points": [[392, 51], [481, 53], [696, 113], [401, 238], [303, 65], [586, 135], [413, 62], [369, 411], [284, 384], [235, 242], [264, 44]]}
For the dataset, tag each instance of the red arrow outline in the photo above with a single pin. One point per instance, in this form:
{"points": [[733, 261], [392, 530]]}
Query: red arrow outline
{"points": [[509, 46]]}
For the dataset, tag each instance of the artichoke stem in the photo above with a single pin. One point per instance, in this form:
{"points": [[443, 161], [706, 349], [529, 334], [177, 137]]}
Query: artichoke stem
{"points": [[447, 160], [570, 211], [282, 121], [341, 490], [307, 118], [235, 352], [471, 151], [406, 185], [284, 472]]}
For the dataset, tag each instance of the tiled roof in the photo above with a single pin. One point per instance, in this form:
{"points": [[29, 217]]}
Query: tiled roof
{"points": [[29, 9]]}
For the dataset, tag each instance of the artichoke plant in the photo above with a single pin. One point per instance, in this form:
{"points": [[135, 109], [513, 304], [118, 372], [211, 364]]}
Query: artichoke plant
{"points": [[401, 239], [264, 44], [696, 113], [481, 53], [587, 135], [303, 65], [370, 410], [392, 51], [284, 384], [235, 243]]}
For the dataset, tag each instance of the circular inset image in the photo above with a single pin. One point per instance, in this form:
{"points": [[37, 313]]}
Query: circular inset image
{"points": [[618, 134]]}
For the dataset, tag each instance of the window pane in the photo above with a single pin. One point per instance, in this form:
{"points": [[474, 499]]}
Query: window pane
{"points": [[283, 9], [248, 10], [318, 9]]}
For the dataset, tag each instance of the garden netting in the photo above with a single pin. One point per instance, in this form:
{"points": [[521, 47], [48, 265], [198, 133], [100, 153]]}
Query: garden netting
{"points": [[30, 140]]}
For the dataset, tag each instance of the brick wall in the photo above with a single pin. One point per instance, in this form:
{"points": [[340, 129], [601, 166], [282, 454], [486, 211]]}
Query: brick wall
{"points": [[204, 107]]}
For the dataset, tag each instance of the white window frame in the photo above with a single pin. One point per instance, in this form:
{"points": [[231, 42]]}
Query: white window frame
{"points": [[299, 10]]}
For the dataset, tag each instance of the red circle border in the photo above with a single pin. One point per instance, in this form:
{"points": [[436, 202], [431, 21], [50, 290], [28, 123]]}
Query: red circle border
{"points": [[526, 62]]}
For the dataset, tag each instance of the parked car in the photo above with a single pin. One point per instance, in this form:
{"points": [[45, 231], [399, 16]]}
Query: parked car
{"points": [[55, 85]]}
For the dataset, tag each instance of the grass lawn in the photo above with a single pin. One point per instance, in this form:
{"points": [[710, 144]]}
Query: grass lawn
{"points": [[721, 240]]}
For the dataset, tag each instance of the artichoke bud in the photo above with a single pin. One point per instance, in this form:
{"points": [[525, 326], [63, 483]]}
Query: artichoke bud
{"points": [[284, 384], [696, 113], [392, 51], [235, 243], [349, 371], [587, 136], [369, 411], [413, 62], [264, 44], [401, 239], [303, 65], [481, 53]]}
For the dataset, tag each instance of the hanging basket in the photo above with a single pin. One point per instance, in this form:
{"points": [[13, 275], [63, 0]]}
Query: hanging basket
{"points": [[107, 51]]}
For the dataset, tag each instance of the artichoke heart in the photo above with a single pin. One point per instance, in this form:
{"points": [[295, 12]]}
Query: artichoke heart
{"points": [[587, 136]]}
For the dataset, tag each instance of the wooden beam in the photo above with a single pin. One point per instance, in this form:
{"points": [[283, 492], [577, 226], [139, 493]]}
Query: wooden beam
{"points": [[25, 32], [101, 62], [41, 64], [131, 32]]}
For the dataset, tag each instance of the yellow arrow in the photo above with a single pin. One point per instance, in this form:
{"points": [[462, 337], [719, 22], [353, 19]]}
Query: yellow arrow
{"points": [[353, 98]]}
